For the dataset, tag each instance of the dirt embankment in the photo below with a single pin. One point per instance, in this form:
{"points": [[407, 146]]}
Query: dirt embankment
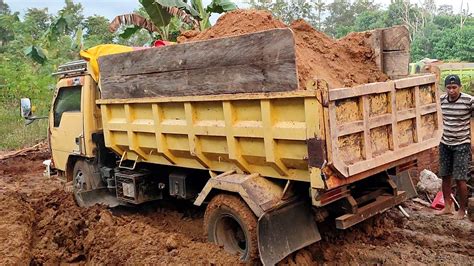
{"points": [[41, 224], [346, 62]]}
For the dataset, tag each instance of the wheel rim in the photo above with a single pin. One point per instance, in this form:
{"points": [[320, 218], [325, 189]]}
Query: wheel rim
{"points": [[230, 234], [79, 182]]}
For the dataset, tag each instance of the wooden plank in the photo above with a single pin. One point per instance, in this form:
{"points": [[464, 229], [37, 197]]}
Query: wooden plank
{"points": [[213, 80], [395, 63], [414, 81], [396, 55], [376, 41], [39, 146], [396, 38], [382, 204], [266, 47], [257, 62], [344, 93]]}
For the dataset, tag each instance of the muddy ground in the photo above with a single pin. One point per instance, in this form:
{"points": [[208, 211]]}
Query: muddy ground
{"points": [[40, 223]]}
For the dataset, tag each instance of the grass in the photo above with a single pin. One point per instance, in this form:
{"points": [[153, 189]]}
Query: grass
{"points": [[14, 134]]}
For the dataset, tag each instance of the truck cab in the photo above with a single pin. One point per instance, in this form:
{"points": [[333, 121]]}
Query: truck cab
{"points": [[73, 117]]}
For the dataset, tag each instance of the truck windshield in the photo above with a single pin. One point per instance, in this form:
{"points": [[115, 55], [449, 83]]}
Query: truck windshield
{"points": [[68, 100]]}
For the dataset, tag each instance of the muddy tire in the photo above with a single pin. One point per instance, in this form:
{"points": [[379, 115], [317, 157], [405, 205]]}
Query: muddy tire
{"points": [[84, 178], [230, 223]]}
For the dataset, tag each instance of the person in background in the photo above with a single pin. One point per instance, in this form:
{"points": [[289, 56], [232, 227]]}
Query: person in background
{"points": [[455, 146]]}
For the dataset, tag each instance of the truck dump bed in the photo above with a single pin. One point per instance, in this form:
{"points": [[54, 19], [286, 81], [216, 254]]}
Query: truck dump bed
{"points": [[293, 134]]}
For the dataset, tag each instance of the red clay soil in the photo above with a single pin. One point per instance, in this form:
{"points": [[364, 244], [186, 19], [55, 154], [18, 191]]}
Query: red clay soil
{"points": [[41, 224], [341, 63]]}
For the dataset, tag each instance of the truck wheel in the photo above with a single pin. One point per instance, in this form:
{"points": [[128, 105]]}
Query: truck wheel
{"points": [[230, 223], [83, 179]]}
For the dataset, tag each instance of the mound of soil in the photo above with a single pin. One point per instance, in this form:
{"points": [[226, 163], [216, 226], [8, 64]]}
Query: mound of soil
{"points": [[41, 224], [341, 63]]}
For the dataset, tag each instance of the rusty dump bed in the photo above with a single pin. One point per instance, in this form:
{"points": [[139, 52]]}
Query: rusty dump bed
{"points": [[376, 124], [292, 134]]}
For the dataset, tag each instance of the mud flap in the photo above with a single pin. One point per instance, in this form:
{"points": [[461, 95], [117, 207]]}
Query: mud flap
{"points": [[284, 230], [97, 196]]}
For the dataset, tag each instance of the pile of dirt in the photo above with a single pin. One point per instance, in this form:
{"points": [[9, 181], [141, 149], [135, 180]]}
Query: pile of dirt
{"points": [[64, 232], [41, 224], [341, 63], [391, 238]]}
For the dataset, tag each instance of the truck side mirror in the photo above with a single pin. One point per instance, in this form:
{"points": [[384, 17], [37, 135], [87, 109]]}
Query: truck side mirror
{"points": [[25, 107]]}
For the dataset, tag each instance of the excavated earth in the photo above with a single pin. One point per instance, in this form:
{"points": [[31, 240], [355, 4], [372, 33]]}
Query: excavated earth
{"points": [[41, 224], [345, 62]]}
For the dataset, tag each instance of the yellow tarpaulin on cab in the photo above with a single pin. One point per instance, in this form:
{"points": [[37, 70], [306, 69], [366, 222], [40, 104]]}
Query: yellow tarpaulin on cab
{"points": [[92, 54]]}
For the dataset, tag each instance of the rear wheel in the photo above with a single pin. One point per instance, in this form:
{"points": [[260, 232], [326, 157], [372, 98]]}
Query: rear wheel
{"points": [[230, 223], [84, 179]]}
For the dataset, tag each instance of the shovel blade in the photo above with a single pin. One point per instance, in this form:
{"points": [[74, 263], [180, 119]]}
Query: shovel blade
{"points": [[284, 230]]}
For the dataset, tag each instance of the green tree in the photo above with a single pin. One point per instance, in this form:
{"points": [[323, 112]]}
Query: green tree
{"points": [[97, 31], [166, 18], [343, 15], [445, 10], [7, 25], [37, 21], [370, 19], [4, 8], [290, 10], [73, 13]]}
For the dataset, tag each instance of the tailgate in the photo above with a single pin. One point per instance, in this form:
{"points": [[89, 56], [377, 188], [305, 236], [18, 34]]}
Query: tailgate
{"points": [[375, 125]]}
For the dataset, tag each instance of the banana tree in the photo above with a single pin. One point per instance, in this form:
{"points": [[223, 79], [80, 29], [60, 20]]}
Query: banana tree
{"points": [[162, 12], [58, 27]]}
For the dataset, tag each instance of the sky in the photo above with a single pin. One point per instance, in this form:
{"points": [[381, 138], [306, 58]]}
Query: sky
{"points": [[111, 8]]}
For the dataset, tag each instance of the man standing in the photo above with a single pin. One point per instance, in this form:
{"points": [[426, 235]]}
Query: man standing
{"points": [[455, 146]]}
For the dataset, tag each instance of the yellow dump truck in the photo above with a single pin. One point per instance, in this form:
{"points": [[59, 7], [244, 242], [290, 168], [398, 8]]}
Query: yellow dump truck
{"points": [[234, 131]]}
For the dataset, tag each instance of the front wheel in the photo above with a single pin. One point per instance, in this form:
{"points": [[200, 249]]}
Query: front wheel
{"points": [[84, 179], [230, 223]]}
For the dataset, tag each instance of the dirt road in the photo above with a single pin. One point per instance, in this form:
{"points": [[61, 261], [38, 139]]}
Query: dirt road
{"points": [[40, 223]]}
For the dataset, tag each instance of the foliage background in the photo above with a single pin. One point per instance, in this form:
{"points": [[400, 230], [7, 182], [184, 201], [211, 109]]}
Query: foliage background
{"points": [[436, 32]]}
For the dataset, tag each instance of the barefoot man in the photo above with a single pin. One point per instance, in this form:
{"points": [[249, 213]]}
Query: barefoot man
{"points": [[455, 146]]}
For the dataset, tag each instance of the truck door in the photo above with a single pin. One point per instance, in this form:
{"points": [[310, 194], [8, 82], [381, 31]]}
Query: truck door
{"points": [[66, 125]]}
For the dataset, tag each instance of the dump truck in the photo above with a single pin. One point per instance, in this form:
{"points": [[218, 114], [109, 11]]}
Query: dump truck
{"points": [[230, 128]]}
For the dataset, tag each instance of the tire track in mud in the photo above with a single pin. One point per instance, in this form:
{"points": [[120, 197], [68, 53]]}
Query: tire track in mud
{"points": [[41, 224], [391, 238]]}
